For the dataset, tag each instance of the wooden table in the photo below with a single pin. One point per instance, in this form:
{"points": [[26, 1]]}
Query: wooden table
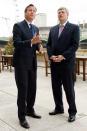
{"points": [[78, 59], [83, 59], [7, 61]]}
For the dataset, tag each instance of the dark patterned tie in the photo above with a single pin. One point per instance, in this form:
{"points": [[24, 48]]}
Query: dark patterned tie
{"points": [[32, 30]]}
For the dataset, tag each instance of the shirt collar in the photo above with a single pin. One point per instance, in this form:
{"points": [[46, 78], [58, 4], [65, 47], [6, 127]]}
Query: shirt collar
{"points": [[28, 23], [64, 23]]}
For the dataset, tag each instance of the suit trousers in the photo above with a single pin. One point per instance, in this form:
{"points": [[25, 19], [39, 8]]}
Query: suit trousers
{"points": [[26, 85], [63, 75]]}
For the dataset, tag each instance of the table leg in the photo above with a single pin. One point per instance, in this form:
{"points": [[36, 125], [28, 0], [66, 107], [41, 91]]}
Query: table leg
{"points": [[84, 63]]}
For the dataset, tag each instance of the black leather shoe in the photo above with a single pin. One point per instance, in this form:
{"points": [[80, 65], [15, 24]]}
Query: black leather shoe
{"points": [[24, 124], [33, 114], [55, 112], [71, 118]]}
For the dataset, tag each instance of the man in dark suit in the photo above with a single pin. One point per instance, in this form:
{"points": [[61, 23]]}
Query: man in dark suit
{"points": [[26, 41], [61, 47]]}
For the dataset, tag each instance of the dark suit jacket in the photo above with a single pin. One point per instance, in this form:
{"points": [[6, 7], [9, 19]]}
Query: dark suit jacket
{"points": [[24, 55], [66, 44]]}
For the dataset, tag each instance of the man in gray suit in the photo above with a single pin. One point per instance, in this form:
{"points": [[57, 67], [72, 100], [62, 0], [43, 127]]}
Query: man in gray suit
{"points": [[26, 42], [61, 47]]}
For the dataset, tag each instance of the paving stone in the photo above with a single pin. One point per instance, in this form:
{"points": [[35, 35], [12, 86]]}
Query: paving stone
{"points": [[43, 105]]}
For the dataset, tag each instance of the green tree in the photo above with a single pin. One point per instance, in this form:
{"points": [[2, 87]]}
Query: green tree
{"points": [[9, 49]]}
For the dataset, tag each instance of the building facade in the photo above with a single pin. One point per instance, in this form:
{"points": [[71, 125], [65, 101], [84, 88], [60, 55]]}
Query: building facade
{"points": [[40, 20]]}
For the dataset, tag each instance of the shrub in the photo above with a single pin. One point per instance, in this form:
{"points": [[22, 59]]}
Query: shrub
{"points": [[9, 48]]}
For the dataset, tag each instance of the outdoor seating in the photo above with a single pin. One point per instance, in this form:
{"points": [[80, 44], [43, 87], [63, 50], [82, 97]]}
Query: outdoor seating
{"points": [[77, 69], [82, 59], [7, 61]]}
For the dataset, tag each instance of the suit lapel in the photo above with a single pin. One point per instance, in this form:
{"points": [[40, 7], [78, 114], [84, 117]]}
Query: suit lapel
{"points": [[57, 32], [35, 31], [65, 28], [26, 27]]}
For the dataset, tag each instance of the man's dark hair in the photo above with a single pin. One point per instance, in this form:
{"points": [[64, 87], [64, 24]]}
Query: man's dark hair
{"points": [[28, 7]]}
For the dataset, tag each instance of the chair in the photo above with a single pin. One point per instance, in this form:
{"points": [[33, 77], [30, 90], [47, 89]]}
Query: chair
{"points": [[2, 61], [82, 59], [47, 63], [7, 61]]}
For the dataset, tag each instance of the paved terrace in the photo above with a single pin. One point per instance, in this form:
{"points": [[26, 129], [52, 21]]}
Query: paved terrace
{"points": [[44, 104]]}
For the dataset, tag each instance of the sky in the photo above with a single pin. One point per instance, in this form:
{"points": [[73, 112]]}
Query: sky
{"points": [[13, 10]]}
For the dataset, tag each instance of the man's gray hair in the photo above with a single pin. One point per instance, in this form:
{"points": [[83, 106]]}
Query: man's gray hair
{"points": [[64, 9]]}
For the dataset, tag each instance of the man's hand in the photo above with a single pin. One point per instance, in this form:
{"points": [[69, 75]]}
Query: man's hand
{"points": [[53, 57], [58, 58], [40, 48], [36, 39]]}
